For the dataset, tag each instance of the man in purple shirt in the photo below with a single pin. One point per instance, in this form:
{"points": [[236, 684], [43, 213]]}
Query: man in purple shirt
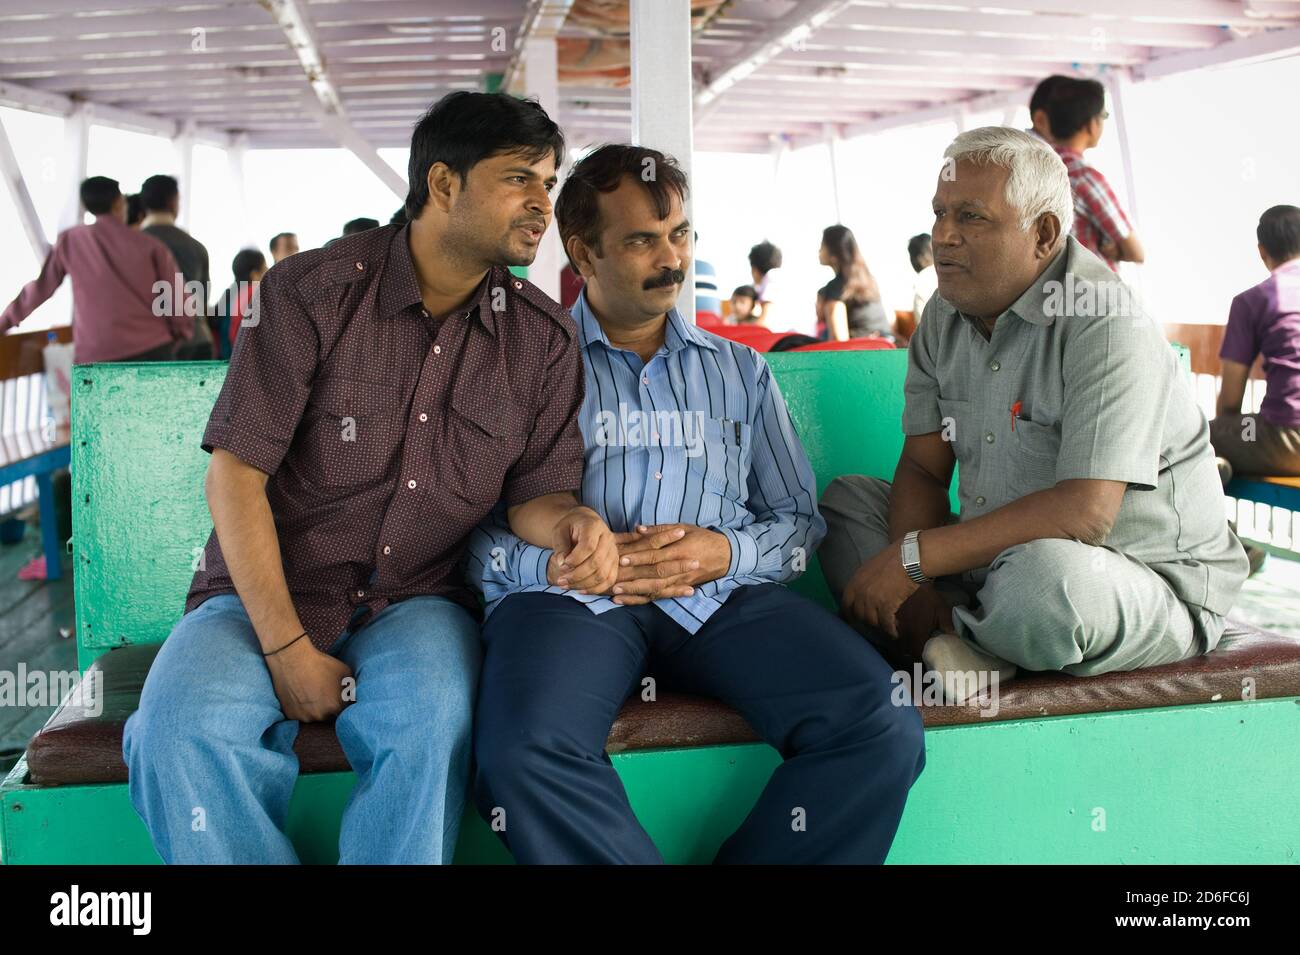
{"points": [[114, 271], [1264, 320]]}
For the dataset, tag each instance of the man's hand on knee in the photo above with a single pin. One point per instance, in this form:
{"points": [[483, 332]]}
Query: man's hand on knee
{"points": [[308, 683], [877, 591]]}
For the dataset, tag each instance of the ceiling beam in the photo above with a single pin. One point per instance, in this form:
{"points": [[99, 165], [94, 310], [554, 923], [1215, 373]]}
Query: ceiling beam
{"points": [[1079, 28], [1232, 13], [45, 101], [295, 20], [1268, 45], [542, 18], [792, 29]]}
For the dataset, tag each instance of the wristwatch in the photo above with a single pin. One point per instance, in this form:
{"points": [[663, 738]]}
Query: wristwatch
{"points": [[912, 556]]}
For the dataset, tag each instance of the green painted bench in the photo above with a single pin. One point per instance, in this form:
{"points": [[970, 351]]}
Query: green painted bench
{"points": [[1176, 764]]}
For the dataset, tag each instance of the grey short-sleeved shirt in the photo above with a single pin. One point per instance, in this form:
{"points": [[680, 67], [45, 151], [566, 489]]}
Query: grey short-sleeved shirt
{"points": [[1100, 396]]}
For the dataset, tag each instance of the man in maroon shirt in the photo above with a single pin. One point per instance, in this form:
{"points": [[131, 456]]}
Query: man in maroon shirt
{"points": [[118, 315], [386, 394]]}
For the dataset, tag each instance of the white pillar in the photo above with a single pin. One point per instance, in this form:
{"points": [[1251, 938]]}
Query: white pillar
{"points": [[1118, 83], [76, 149], [185, 157], [235, 154], [832, 148], [542, 82], [662, 95], [17, 185]]}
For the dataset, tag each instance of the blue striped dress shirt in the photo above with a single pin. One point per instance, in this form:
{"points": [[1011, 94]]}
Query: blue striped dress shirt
{"points": [[699, 435]]}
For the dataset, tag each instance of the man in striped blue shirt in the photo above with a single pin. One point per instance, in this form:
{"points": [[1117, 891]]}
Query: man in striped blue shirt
{"points": [[692, 460]]}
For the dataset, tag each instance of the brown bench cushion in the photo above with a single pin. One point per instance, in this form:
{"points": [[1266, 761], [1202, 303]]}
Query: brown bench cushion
{"points": [[74, 747]]}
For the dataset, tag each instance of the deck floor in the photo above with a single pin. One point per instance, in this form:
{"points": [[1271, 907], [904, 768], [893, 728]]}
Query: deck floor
{"points": [[33, 614]]}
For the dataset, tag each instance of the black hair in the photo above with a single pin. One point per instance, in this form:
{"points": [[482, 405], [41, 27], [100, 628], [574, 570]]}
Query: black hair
{"points": [[577, 210], [1279, 232], [849, 265], [745, 291], [793, 341], [918, 246], [157, 192], [765, 257], [399, 217], [134, 209], [1045, 92], [464, 128], [1073, 105], [359, 225], [98, 194], [277, 237], [246, 262]]}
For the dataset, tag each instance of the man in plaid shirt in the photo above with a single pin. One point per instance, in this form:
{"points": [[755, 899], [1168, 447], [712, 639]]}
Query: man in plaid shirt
{"points": [[1076, 110]]}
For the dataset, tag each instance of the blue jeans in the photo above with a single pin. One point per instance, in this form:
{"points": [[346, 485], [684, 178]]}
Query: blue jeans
{"points": [[211, 755]]}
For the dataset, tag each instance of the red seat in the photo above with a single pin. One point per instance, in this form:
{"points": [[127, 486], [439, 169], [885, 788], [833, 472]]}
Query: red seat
{"points": [[755, 336]]}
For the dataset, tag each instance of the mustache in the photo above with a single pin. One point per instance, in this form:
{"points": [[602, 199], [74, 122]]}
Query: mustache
{"points": [[664, 279]]}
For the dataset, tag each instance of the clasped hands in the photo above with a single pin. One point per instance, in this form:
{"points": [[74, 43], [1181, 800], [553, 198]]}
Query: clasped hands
{"points": [[639, 566]]}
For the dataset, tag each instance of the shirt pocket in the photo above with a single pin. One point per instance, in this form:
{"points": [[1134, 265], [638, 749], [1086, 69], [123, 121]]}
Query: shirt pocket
{"points": [[1037, 448], [722, 456], [354, 433], [483, 439]]}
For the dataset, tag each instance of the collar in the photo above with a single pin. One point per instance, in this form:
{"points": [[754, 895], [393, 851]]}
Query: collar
{"points": [[677, 335], [399, 288], [158, 217]]}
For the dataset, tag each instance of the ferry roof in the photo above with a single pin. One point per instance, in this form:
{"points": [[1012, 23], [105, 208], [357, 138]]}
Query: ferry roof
{"points": [[319, 73]]}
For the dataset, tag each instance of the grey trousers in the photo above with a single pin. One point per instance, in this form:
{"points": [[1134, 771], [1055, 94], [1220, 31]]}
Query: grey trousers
{"points": [[1045, 605]]}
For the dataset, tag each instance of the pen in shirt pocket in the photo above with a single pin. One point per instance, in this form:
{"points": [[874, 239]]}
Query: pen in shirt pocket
{"points": [[735, 427]]}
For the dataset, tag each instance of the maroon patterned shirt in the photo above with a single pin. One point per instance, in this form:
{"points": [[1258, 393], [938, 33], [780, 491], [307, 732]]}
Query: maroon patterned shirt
{"points": [[387, 435]]}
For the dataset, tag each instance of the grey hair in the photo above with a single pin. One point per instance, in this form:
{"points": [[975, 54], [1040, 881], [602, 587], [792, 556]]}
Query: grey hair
{"points": [[1038, 182]]}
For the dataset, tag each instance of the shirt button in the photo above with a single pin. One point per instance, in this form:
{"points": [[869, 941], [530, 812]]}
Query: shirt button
{"points": [[989, 437], [979, 501], [519, 285], [437, 349], [411, 485], [645, 381], [361, 266], [424, 312], [995, 365], [387, 549], [361, 593], [423, 416], [658, 476]]}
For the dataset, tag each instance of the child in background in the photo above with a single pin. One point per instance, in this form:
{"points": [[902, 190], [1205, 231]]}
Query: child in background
{"points": [[743, 300]]}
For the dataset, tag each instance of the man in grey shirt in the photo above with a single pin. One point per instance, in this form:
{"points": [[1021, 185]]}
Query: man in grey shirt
{"points": [[1092, 534], [161, 198]]}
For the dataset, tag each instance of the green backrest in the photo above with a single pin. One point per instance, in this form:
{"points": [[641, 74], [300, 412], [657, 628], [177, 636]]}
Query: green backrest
{"points": [[139, 518]]}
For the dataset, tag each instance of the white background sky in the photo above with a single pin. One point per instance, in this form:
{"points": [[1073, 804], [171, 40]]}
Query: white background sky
{"points": [[1211, 151]]}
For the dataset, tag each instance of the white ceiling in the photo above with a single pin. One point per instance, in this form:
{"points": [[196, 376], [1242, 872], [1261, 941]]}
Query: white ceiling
{"points": [[227, 65]]}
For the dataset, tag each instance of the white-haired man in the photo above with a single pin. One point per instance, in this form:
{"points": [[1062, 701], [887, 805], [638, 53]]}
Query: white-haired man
{"points": [[1091, 535]]}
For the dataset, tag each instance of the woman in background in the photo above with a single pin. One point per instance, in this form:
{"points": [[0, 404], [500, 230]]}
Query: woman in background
{"points": [[848, 306]]}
